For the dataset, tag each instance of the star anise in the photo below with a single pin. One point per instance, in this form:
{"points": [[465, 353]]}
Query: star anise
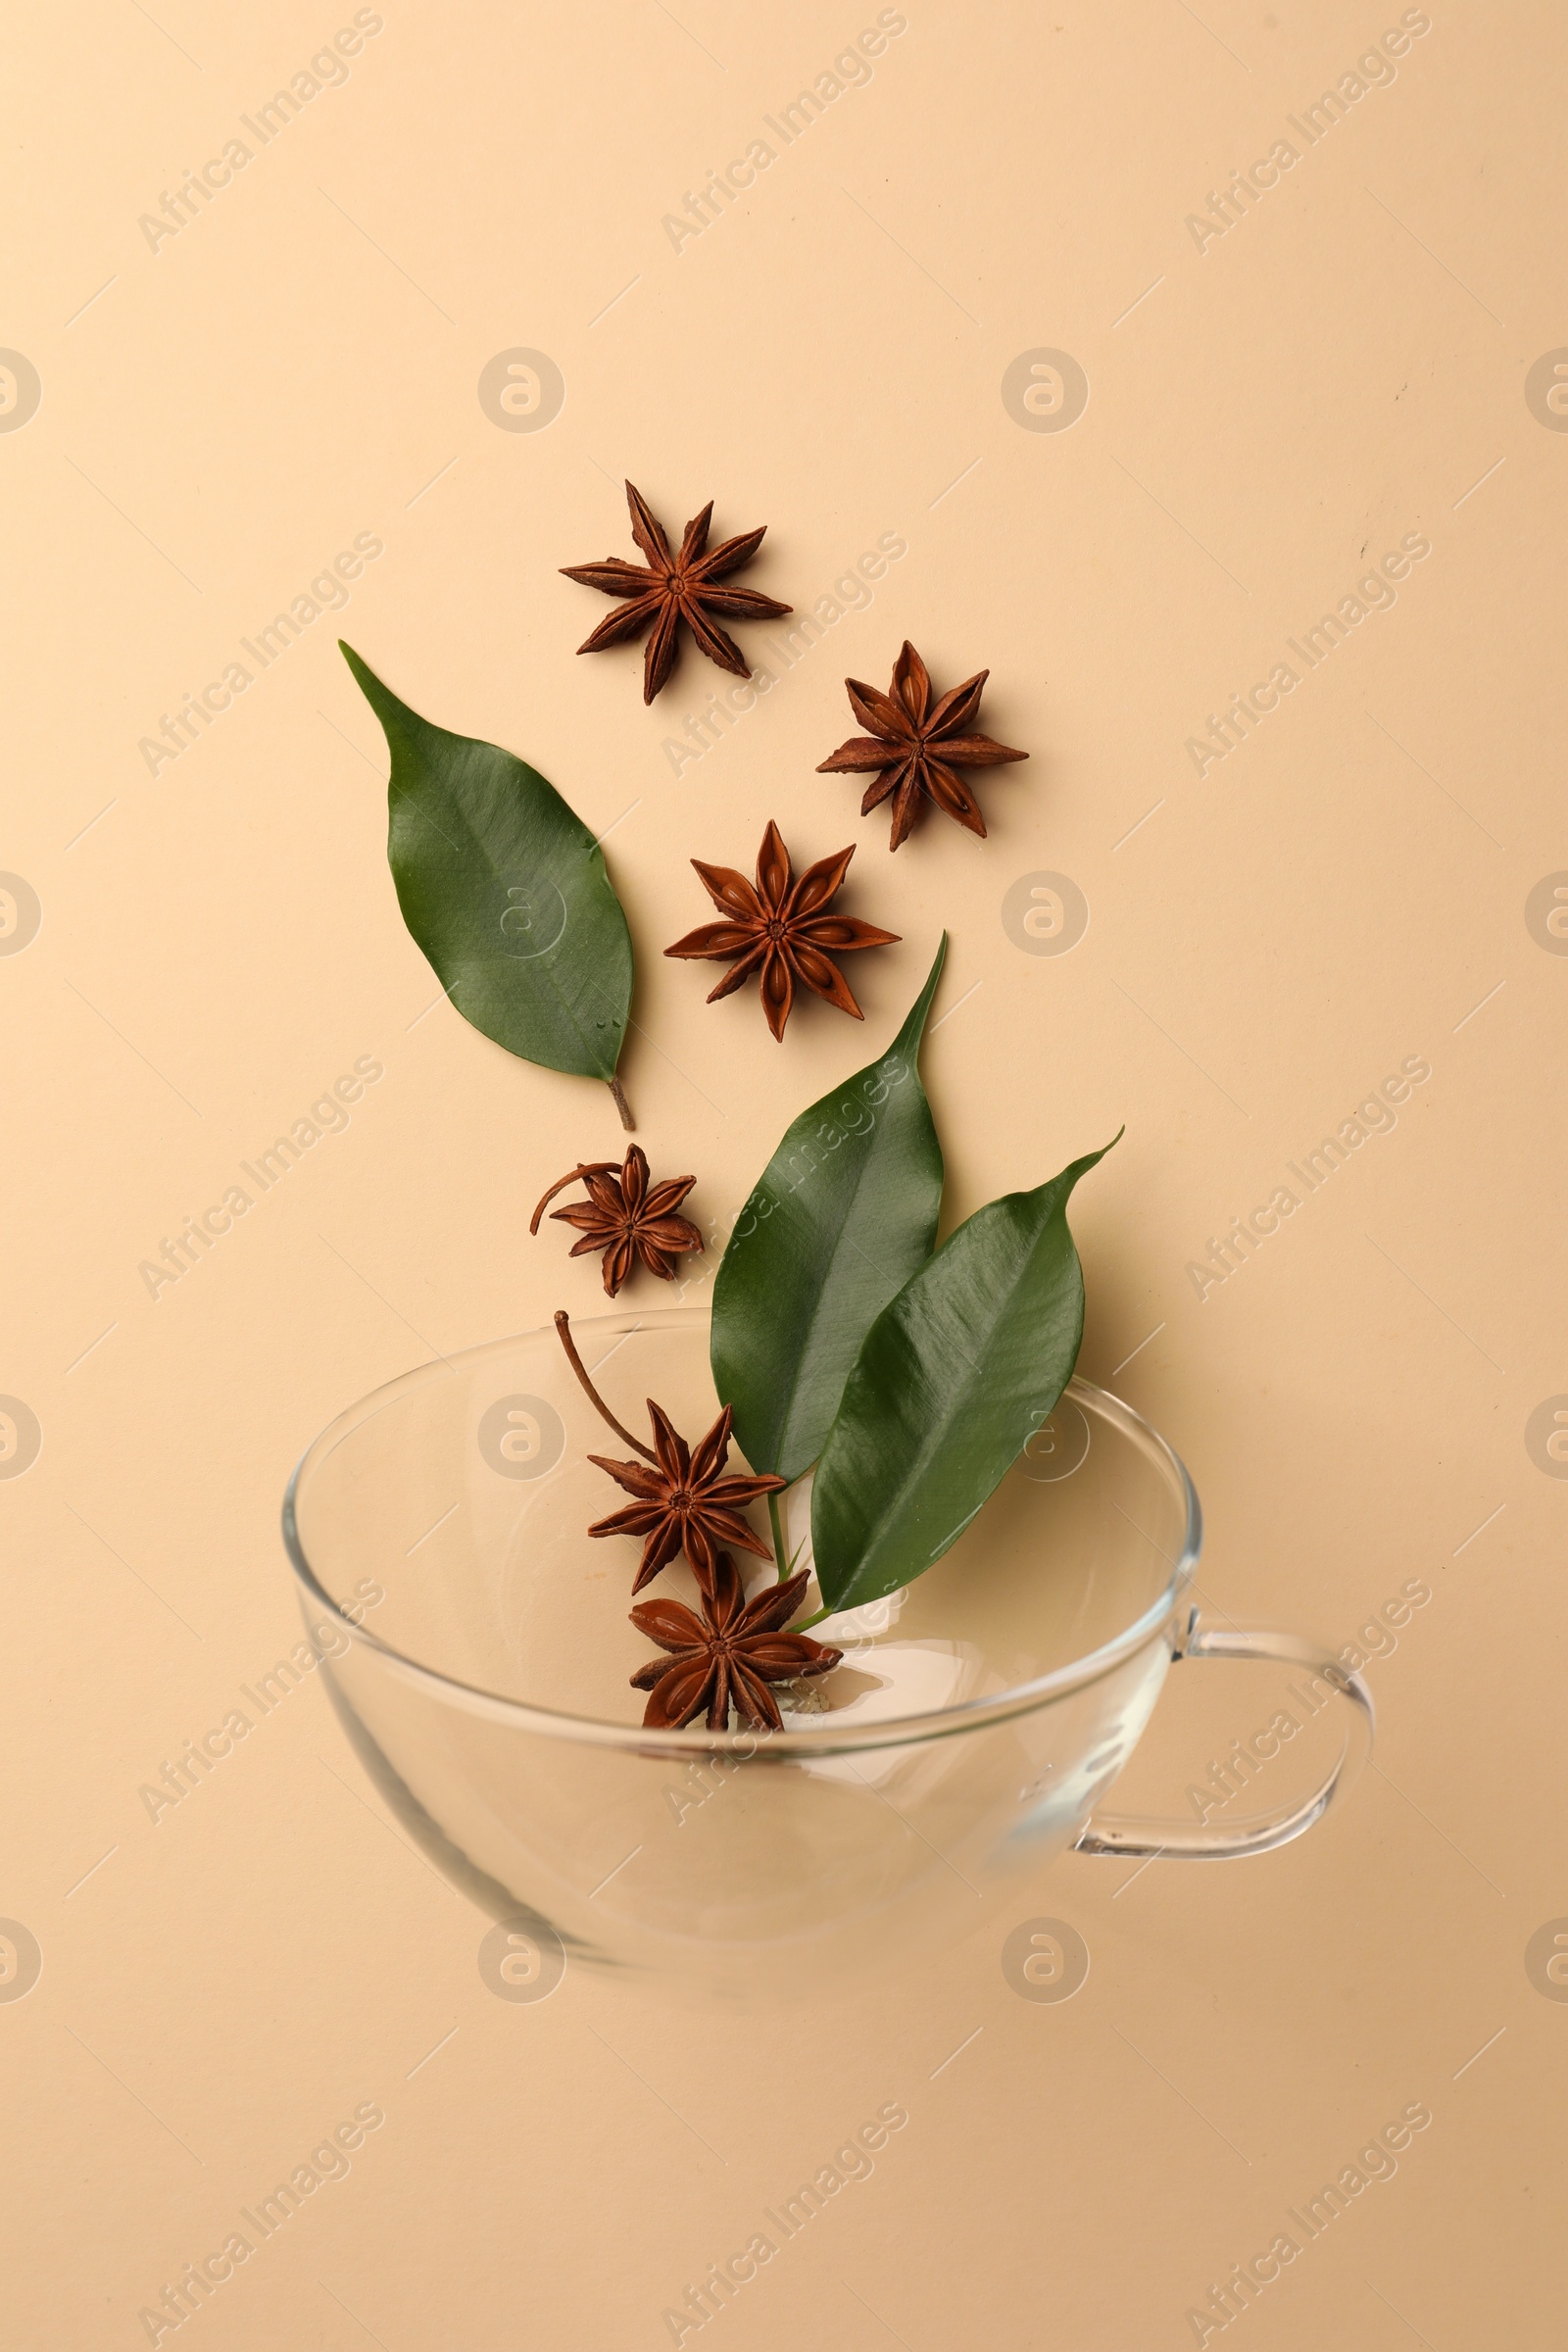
{"points": [[687, 587], [627, 1217], [682, 1503], [780, 930], [726, 1657], [918, 746]]}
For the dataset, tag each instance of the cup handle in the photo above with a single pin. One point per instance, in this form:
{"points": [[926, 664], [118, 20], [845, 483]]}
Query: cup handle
{"points": [[1131, 1835]]}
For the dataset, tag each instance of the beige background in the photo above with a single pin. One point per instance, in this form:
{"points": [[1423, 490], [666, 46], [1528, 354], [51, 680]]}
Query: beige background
{"points": [[1267, 417]]}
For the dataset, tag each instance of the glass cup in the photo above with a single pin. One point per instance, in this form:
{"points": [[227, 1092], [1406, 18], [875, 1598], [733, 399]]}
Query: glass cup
{"points": [[477, 1650]]}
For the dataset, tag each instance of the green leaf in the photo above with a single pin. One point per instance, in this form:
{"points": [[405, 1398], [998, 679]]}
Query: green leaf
{"points": [[954, 1379], [504, 887], [844, 1213]]}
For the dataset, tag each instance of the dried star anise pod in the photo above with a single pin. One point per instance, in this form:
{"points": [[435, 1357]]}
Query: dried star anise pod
{"points": [[780, 930], [682, 1503], [627, 1217], [687, 587], [918, 747], [729, 1656]]}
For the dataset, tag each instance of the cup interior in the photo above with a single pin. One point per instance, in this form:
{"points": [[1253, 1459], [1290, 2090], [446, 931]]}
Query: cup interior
{"points": [[459, 1497]]}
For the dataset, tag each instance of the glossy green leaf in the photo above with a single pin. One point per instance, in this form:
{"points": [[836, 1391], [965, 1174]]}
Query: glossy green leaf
{"points": [[954, 1379], [505, 889], [844, 1213]]}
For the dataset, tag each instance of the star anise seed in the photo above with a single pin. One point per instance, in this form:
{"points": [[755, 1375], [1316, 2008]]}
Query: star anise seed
{"points": [[682, 1503], [729, 1656], [918, 746], [627, 1217], [781, 931], [687, 587]]}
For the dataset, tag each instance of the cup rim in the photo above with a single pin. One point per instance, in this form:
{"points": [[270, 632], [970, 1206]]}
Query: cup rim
{"points": [[996, 1706]]}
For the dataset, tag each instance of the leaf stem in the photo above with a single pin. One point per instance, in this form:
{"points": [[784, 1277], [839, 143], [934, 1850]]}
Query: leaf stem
{"points": [[778, 1536], [618, 1093], [563, 1333]]}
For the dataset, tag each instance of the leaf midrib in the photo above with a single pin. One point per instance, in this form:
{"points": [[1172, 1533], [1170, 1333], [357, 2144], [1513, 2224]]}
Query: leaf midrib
{"points": [[591, 1049], [910, 1040], [819, 1304], [946, 1420]]}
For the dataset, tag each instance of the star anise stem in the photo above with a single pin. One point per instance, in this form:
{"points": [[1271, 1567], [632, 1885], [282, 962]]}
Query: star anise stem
{"points": [[627, 1217], [584, 1167], [563, 1333]]}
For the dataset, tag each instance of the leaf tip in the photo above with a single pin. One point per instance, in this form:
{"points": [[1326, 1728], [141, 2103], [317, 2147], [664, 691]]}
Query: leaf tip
{"points": [[919, 1011], [363, 675]]}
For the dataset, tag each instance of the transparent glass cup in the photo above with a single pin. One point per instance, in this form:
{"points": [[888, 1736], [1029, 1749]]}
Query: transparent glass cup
{"points": [[477, 1650]]}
